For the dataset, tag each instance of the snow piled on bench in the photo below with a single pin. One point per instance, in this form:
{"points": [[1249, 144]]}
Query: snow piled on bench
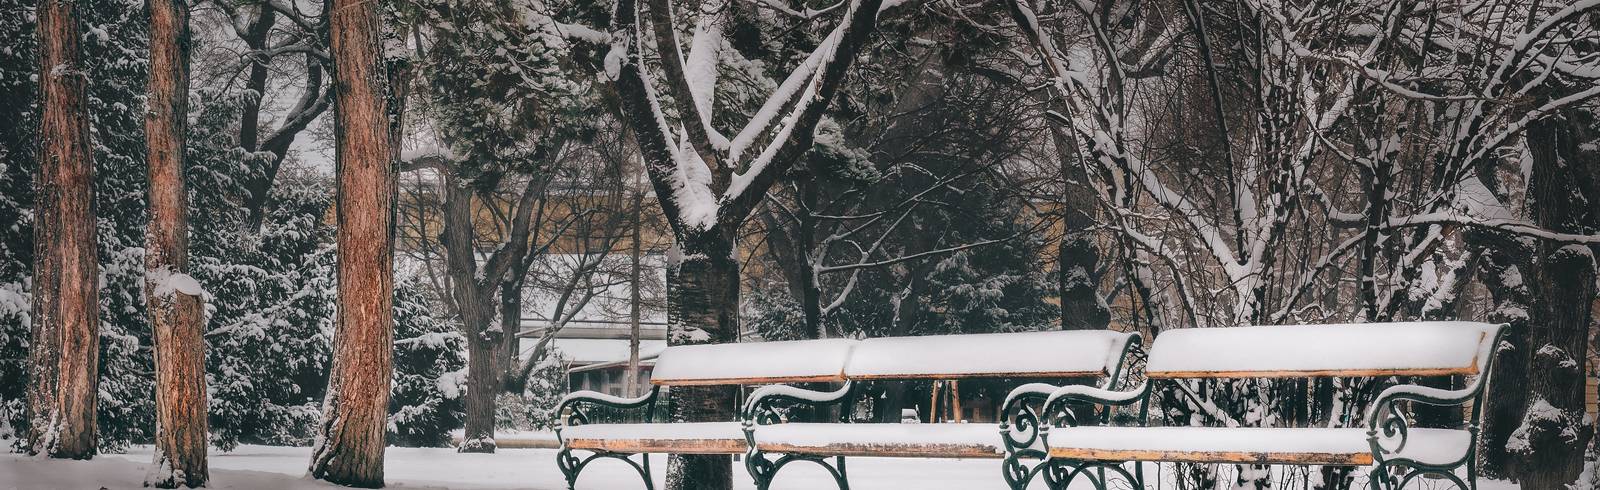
{"points": [[753, 362], [925, 440], [1022, 354], [682, 431], [1301, 349], [1431, 446]]}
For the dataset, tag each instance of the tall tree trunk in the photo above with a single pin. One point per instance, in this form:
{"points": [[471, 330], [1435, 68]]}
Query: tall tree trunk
{"points": [[483, 383], [354, 414], [173, 303], [473, 308], [1079, 258], [1553, 434], [64, 358], [703, 308]]}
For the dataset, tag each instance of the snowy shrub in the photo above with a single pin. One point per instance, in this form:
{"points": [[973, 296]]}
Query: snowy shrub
{"points": [[115, 53], [16, 217], [271, 319], [774, 314], [425, 403], [535, 408]]}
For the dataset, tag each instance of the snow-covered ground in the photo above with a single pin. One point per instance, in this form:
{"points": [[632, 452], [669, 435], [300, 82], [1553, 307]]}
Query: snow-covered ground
{"points": [[262, 467], [269, 467]]}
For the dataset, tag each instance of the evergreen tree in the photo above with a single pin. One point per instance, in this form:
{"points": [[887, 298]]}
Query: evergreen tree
{"points": [[17, 139], [426, 403]]}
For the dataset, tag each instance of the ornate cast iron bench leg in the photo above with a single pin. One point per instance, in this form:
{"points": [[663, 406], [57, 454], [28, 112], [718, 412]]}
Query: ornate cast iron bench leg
{"points": [[1059, 474], [1017, 473], [763, 470], [571, 465], [1383, 477]]}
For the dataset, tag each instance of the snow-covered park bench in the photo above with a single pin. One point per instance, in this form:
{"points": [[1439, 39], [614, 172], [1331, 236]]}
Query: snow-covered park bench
{"points": [[774, 443], [769, 443], [1397, 452], [756, 363]]}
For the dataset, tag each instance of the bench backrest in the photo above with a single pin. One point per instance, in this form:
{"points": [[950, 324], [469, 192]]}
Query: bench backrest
{"points": [[1054, 354], [745, 363], [1301, 351]]}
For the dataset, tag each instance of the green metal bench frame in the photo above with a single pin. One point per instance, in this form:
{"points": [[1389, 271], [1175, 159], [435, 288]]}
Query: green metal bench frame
{"points": [[1025, 430], [1018, 428], [1384, 420], [763, 408], [573, 405]]}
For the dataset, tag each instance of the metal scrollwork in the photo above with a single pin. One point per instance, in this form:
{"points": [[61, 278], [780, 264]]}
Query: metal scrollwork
{"points": [[763, 470], [1398, 475], [1394, 427], [1024, 424], [571, 465], [1061, 473], [575, 407], [766, 407], [1017, 474], [576, 417], [766, 412]]}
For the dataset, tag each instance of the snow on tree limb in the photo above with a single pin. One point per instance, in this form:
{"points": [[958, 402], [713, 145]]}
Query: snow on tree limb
{"points": [[695, 171], [794, 137]]}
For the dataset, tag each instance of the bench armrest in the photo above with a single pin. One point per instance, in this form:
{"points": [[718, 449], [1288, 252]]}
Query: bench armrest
{"points": [[1384, 423], [1019, 424], [1383, 406], [1099, 396], [758, 409], [576, 399], [1025, 393]]}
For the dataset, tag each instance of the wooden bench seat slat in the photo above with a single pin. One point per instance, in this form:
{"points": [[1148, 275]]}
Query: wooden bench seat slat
{"points": [[1321, 459], [886, 440], [832, 378], [1316, 373], [956, 451], [681, 438], [997, 374], [1313, 446], [671, 446]]}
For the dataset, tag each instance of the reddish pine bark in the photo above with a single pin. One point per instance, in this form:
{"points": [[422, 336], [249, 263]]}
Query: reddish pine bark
{"points": [[175, 316], [64, 358], [351, 439]]}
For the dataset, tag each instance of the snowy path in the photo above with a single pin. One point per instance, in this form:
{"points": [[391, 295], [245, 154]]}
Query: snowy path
{"points": [[252, 467], [269, 467]]}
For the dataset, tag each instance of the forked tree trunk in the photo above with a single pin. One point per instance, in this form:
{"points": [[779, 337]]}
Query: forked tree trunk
{"points": [[64, 359], [473, 307], [702, 308], [174, 306], [351, 438]]}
